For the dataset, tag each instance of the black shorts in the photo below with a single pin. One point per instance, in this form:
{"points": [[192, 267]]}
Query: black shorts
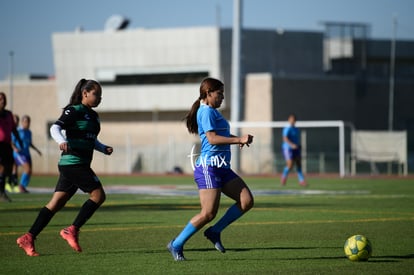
{"points": [[6, 157], [73, 177]]}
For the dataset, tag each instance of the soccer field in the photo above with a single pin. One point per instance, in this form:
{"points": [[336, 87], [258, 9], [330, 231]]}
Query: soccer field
{"points": [[291, 230]]}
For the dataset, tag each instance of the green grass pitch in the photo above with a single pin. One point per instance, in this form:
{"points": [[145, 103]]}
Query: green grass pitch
{"points": [[287, 232]]}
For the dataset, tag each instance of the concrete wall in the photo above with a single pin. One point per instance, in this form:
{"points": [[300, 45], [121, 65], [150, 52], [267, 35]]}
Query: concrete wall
{"points": [[142, 142], [38, 99], [259, 157], [151, 146]]}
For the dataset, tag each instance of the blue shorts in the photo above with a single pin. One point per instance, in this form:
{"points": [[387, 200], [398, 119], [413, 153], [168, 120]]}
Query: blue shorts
{"points": [[211, 177], [21, 159], [291, 154]]}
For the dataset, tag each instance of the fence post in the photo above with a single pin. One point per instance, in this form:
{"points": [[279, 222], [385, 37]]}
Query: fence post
{"points": [[321, 162], [303, 141]]}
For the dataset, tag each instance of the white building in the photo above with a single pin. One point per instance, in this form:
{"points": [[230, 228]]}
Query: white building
{"points": [[141, 69]]}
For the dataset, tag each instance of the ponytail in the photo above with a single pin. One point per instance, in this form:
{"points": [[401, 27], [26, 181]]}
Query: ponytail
{"points": [[83, 84], [191, 118], [207, 85]]}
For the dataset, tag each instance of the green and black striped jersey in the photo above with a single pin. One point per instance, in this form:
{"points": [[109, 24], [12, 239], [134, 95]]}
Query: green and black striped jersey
{"points": [[82, 127]]}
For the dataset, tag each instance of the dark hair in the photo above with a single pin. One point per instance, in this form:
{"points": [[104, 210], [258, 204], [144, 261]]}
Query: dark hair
{"points": [[83, 84], [208, 85], [292, 115], [4, 97], [26, 117]]}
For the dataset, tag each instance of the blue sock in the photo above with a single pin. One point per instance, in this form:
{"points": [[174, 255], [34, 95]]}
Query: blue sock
{"points": [[232, 214], [25, 179], [187, 232], [285, 172], [300, 175]]}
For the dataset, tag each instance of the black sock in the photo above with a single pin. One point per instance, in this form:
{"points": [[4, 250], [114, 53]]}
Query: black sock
{"points": [[2, 183], [87, 210], [44, 217], [13, 179]]}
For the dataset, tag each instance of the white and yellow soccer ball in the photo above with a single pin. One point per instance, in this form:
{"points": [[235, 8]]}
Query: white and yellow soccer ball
{"points": [[358, 248]]}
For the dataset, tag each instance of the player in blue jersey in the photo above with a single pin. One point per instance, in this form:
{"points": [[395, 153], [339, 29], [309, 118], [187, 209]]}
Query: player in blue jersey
{"points": [[22, 155], [292, 150], [213, 174]]}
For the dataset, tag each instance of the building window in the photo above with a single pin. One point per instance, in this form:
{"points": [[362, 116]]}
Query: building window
{"points": [[157, 78]]}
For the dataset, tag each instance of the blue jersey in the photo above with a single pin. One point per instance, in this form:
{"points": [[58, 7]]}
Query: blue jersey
{"points": [[26, 137], [210, 119], [293, 134]]}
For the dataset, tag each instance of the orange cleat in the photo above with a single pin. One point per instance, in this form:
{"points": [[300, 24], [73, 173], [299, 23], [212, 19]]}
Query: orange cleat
{"points": [[71, 234], [26, 242]]}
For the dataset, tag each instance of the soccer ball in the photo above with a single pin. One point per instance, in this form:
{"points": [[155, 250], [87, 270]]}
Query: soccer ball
{"points": [[358, 248]]}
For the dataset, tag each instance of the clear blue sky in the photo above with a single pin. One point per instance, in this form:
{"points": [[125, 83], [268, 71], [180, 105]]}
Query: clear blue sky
{"points": [[26, 26]]}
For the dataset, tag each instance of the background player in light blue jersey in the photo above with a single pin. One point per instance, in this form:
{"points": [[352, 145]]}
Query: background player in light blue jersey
{"points": [[22, 155], [213, 174], [292, 150]]}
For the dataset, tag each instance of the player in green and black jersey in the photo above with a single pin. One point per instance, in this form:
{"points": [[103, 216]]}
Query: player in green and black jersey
{"points": [[81, 127]]}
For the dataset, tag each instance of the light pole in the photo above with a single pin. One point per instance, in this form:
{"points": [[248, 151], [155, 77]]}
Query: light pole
{"points": [[392, 73], [11, 54], [235, 73]]}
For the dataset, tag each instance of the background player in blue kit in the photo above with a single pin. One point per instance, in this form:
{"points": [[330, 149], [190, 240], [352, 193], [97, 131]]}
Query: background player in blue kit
{"points": [[22, 155], [212, 173], [292, 150]]}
